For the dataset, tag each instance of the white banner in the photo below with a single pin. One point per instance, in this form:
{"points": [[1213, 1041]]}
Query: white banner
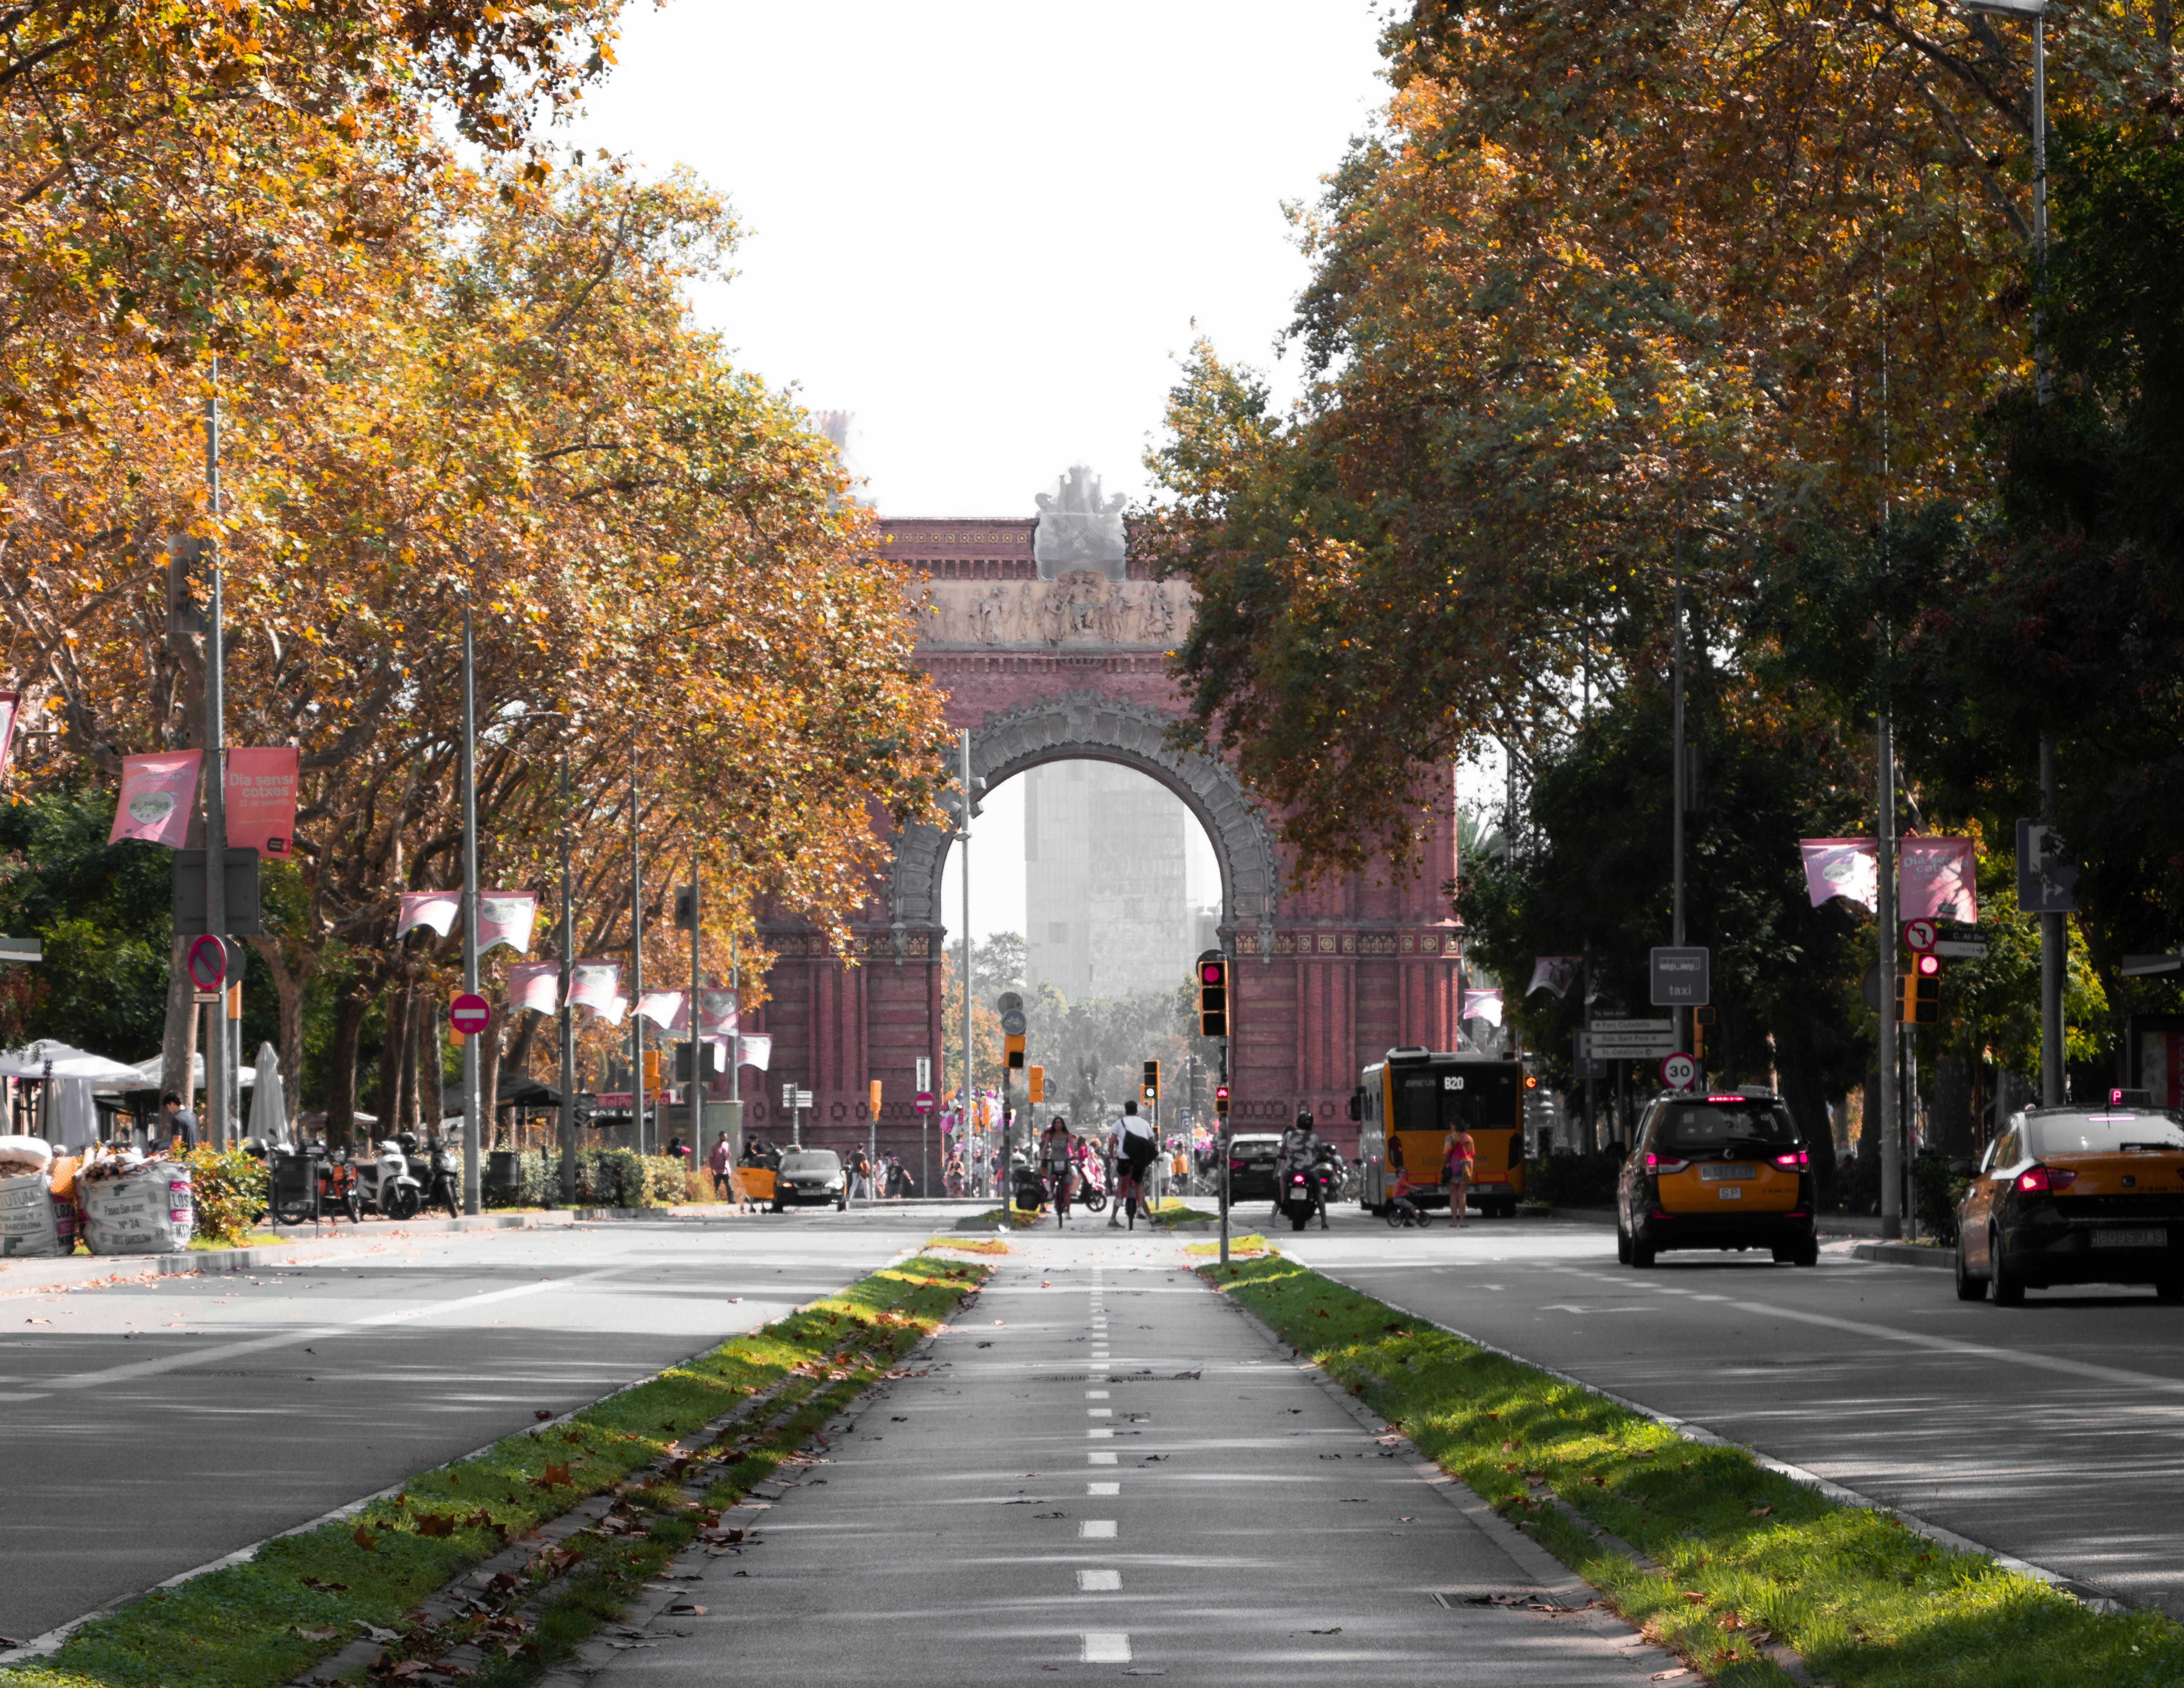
{"points": [[437, 910], [758, 1050], [506, 917], [666, 1008]]}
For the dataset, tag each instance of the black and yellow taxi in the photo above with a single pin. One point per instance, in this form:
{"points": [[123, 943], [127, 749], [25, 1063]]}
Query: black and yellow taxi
{"points": [[1729, 1170], [2075, 1195]]}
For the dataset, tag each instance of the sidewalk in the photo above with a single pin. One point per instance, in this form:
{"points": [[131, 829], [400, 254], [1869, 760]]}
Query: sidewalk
{"points": [[1105, 1468]]}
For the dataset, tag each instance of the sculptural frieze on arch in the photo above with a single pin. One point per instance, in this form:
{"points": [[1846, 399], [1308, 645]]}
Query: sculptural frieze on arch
{"points": [[1080, 608]]}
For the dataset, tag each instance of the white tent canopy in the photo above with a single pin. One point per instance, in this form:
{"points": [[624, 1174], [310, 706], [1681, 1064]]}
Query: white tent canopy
{"points": [[49, 1058], [148, 1074]]}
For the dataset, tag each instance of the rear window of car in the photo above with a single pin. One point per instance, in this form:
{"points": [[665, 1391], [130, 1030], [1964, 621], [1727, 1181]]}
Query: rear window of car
{"points": [[1725, 1128], [812, 1160], [2103, 1133], [1254, 1148]]}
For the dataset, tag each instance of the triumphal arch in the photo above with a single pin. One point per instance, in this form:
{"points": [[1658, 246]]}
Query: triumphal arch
{"points": [[1051, 645]]}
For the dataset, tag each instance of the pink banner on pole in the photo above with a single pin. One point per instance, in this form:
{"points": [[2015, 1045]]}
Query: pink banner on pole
{"points": [[157, 793], [11, 705], [596, 985], [757, 1050], [536, 985], [1557, 973], [261, 801], [506, 917], [615, 1012], [717, 1013], [1484, 1003], [435, 909], [1842, 867], [1940, 877], [665, 1009]]}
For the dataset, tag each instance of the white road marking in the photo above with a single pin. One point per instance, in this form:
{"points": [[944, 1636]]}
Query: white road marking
{"points": [[1106, 1646], [1103, 1488], [1099, 1459], [1098, 1582], [199, 1356], [1102, 1430], [1095, 1394], [1097, 1530], [1099, 1411]]}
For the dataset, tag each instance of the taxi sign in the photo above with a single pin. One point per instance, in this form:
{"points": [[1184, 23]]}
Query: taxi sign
{"points": [[1919, 936], [469, 1014]]}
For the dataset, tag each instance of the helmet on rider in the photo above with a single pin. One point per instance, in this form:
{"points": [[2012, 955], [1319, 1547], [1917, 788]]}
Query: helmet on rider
{"points": [[1304, 1119]]}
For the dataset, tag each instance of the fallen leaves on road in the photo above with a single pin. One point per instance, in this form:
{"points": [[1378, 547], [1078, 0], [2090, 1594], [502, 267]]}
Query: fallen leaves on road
{"points": [[541, 1414]]}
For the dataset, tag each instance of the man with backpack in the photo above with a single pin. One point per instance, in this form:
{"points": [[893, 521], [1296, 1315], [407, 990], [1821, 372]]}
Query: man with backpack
{"points": [[1136, 1148]]}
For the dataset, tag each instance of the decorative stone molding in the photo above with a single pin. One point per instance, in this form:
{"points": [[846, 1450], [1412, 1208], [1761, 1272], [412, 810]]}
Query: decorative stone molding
{"points": [[1087, 724]]}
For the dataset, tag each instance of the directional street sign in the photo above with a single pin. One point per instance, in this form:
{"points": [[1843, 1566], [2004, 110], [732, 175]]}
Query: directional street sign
{"points": [[1919, 936], [1680, 978], [1643, 1043], [2143, 966], [1961, 948], [22, 949], [1679, 1072]]}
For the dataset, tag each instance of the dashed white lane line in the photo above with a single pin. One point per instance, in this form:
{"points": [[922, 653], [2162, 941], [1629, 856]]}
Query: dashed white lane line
{"points": [[1096, 1529], [1103, 1488], [1106, 1646], [1099, 1411], [1098, 1430], [1098, 1582], [1099, 1459]]}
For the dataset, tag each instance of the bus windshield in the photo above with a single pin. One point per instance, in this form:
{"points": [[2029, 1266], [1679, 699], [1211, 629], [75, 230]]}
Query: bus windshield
{"points": [[1479, 1096]]}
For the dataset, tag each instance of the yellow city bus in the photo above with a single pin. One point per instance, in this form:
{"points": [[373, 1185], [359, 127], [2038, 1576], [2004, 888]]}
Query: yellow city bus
{"points": [[1420, 1095]]}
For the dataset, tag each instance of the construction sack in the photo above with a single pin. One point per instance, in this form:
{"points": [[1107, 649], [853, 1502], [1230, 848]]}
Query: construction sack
{"points": [[28, 1229], [146, 1208]]}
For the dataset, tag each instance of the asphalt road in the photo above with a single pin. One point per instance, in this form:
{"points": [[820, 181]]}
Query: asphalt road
{"points": [[154, 1427], [1103, 1469], [2048, 1431]]}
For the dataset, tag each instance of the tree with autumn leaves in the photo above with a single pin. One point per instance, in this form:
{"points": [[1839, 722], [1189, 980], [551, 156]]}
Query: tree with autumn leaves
{"points": [[441, 388], [1744, 289]]}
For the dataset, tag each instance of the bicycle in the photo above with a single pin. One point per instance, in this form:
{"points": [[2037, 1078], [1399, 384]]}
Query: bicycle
{"points": [[1403, 1211]]}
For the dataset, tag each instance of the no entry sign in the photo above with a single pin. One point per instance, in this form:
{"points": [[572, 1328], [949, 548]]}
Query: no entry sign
{"points": [[923, 1103], [468, 1014]]}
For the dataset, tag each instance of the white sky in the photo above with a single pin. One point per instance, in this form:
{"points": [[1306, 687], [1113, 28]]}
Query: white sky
{"points": [[986, 227]]}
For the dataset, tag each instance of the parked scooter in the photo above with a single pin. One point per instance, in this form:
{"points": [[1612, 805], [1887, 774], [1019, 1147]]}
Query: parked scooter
{"points": [[386, 1186], [440, 1191]]}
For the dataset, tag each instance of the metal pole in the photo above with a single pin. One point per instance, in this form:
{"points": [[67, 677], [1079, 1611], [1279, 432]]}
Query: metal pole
{"points": [[473, 1134], [1677, 784], [1891, 1136], [567, 1028], [217, 1094], [2040, 382], [2053, 949], [963, 840], [697, 1045], [636, 960]]}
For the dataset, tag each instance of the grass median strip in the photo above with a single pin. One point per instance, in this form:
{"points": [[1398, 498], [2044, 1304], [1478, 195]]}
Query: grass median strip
{"points": [[1744, 1553], [304, 1597]]}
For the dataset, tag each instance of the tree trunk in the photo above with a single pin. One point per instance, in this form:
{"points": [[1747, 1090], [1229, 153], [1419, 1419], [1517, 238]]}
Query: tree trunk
{"points": [[340, 1088], [178, 1042], [290, 977], [393, 1058]]}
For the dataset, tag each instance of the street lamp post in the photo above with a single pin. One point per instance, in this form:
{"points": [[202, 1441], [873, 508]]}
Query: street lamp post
{"points": [[473, 1136]]}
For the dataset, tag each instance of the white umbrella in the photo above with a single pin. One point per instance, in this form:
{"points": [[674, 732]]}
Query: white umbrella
{"points": [[71, 1117], [269, 1103], [50, 1058], [148, 1074]]}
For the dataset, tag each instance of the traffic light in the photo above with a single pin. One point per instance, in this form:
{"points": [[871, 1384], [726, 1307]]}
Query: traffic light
{"points": [[651, 1070], [1014, 1045], [686, 899], [1212, 994], [1918, 992], [1149, 1090], [1035, 1083], [1221, 1101]]}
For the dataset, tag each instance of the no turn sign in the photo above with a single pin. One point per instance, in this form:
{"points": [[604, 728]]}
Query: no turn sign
{"points": [[1919, 936], [1679, 1072], [470, 1013]]}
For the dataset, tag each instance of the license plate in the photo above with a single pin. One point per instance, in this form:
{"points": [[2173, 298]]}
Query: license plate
{"points": [[2131, 1240], [1731, 1194], [1712, 1174]]}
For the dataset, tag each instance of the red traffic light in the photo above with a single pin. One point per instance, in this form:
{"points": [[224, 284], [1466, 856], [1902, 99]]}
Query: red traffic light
{"points": [[1221, 1093], [1211, 973], [1928, 964]]}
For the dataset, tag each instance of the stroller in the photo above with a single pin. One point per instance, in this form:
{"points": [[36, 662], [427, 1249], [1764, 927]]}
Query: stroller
{"points": [[1091, 1190]]}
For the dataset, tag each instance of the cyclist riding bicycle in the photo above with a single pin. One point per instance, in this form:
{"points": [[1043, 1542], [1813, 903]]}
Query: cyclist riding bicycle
{"points": [[1135, 1151]]}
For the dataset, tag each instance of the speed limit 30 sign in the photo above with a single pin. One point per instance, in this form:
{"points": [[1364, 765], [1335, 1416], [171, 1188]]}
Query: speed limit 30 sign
{"points": [[1679, 1072]]}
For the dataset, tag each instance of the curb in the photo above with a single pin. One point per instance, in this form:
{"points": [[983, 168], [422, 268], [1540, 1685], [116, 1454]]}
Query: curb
{"points": [[81, 1272], [1906, 1254]]}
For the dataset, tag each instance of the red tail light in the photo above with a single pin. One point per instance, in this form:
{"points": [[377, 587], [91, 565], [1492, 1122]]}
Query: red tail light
{"points": [[1235, 1166], [1662, 1163], [2035, 1179], [1795, 1161]]}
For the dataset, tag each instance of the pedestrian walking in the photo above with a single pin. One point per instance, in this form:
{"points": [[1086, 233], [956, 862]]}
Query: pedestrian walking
{"points": [[860, 1176], [1060, 1175], [1458, 1161], [181, 1124], [718, 1163]]}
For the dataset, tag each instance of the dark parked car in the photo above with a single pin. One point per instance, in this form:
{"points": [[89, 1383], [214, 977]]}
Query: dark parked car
{"points": [[1251, 1165], [809, 1177]]}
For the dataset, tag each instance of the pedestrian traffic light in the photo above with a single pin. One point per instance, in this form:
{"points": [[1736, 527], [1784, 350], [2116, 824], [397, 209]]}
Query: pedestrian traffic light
{"points": [[1014, 1046], [1221, 1101], [686, 903], [1149, 1090], [651, 1070], [1035, 1083], [1918, 992], [1212, 994]]}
